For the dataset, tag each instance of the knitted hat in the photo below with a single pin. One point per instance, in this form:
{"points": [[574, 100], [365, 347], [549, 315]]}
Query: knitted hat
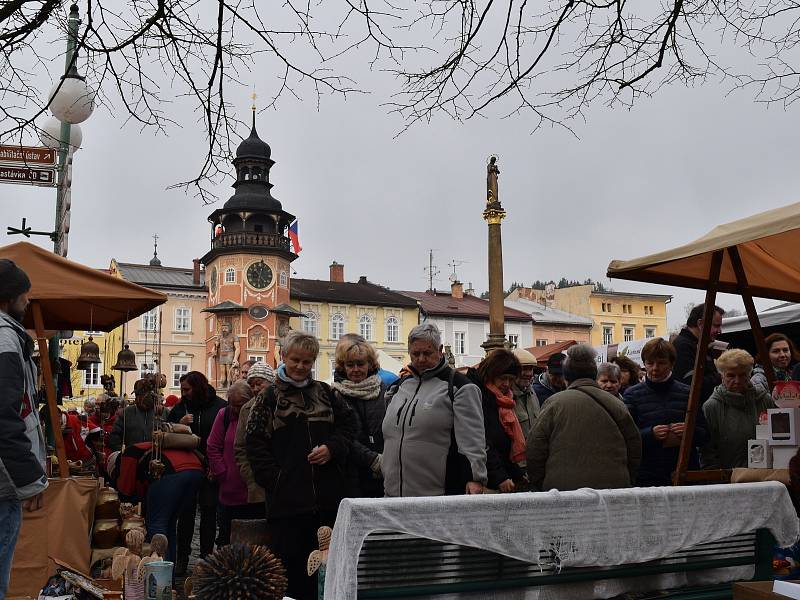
{"points": [[171, 400], [261, 370], [13, 280], [525, 358]]}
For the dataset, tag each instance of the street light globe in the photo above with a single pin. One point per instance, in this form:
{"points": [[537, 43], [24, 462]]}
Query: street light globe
{"points": [[72, 100], [50, 134]]}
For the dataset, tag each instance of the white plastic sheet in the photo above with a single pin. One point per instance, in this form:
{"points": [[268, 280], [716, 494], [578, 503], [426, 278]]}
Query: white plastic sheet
{"points": [[590, 527]]}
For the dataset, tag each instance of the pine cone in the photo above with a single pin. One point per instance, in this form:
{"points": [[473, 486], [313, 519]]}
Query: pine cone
{"points": [[240, 572]]}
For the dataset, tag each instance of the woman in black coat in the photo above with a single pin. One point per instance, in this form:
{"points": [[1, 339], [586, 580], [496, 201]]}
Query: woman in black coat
{"points": [[505, 440], [358, 384]]}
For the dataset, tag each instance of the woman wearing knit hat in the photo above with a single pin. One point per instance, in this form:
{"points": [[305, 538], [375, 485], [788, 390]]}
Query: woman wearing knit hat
{"points": [[260, 377]]}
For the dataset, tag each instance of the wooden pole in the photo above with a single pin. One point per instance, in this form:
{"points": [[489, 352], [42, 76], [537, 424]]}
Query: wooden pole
{"points": [[50, 391], [752, 315], [699, 369]]}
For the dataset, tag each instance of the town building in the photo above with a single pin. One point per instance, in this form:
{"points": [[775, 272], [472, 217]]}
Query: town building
{"points": [[616, 316], [463, 320], [550, 325], [334, 307]]}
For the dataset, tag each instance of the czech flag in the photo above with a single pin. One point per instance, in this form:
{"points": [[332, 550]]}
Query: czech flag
{"points": [[295, 237]]}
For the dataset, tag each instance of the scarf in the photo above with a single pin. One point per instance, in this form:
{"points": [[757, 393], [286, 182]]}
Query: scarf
{"points": [[284, 377], [510, 423], [369, 389]]}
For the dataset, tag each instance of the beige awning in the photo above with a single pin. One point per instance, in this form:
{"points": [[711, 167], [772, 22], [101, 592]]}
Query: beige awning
{"points": [[768, 243]]}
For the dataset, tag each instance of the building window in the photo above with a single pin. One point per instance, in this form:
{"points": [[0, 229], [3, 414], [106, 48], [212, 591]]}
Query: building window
{"points": [[649, 332], [628, 333], [178, 371], [230, 275], [392, 329], [183, 321], [150, 320], [91, 376], [513, 340], [284, 279], [332, 362], [365, 327], [604, 307], [147, 366], [459, 342], [337, 326], [540, 343], [256, 359], [608, 335], [311, 324]]}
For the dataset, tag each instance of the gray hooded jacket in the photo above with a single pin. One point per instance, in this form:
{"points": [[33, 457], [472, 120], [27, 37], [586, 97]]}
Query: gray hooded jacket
{"points": [[420, 423], [22, 448]]}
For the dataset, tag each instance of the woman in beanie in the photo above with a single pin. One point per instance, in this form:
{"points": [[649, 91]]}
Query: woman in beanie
{"points": [[505, 439], [259, 377]]}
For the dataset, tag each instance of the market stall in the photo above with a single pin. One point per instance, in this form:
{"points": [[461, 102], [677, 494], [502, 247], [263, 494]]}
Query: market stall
{"points": [[756, 256], [65, 295]]}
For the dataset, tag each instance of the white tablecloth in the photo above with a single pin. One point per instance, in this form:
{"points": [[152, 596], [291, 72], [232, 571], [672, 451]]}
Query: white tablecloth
{"points": [[593, 527]]}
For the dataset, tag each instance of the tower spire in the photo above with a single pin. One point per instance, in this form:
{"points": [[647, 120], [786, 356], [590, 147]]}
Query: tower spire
{"points": [[155, 261], [253, 108]]}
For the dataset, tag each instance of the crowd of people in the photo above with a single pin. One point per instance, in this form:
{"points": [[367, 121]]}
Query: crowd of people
{"points": [[286, 447]]}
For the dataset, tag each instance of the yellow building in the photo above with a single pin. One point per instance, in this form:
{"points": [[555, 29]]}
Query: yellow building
{"points": [[87, 383], [616, 316], [335, 307]]}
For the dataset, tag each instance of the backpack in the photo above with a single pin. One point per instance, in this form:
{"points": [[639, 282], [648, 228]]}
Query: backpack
{"points": [[458, 471]]}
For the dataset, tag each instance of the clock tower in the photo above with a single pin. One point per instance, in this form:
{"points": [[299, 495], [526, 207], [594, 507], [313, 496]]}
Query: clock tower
{"points": [[247, 268]]}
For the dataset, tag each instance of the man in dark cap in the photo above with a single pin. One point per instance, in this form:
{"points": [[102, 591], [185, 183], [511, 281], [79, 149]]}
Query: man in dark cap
{"points": [[22, 448], [552, 380]]}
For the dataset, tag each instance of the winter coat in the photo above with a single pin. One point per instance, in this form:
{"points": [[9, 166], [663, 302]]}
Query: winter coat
{"points": [[255, 493], [584, 437], [433, 444], [204, 412], [22, 447], [759, 378], [662, 403], [526, 407], [499, 465], [542, 388], [685, 344], [368, 443], [133, 426], [221, 461], [732, 420], [285, 424]]}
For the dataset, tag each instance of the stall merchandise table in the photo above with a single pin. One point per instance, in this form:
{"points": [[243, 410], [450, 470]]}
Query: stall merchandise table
{"points": [[583, 528]]}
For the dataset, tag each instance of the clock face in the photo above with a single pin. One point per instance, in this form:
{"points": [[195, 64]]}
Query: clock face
{"points": [[259, 275], [212, 283]]}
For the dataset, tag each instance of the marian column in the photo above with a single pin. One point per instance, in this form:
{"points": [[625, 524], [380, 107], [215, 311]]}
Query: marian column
{"points": [[493, 215]]}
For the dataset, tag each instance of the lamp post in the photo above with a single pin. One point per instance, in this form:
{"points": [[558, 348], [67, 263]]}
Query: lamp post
{"points": [[493, 214]]}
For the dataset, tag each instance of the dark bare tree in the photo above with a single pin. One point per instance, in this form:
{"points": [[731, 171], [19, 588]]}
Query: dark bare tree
{"points": [[552, 59]]}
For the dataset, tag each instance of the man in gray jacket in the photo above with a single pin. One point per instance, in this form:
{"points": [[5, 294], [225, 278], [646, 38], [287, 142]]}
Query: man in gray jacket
{"points": [[584, 436], [434, 441], [22, 449]]}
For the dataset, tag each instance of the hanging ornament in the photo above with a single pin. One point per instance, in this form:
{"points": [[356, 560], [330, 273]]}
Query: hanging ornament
{"points": [[90, 355], [126, 360]]}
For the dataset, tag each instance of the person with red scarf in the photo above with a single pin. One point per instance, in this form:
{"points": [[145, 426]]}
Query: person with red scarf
{"points": [[504, 437]]}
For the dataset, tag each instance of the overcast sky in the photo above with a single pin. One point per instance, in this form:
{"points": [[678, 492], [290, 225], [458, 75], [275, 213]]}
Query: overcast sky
{"points": [[631, 183]]}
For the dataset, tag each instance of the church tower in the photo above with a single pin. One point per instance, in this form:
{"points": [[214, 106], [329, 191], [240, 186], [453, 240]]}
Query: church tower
{"points": [[247, 268]]}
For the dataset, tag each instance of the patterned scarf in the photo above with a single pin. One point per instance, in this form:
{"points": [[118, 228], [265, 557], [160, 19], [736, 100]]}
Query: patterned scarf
{"points": [[510, 423], [284, 377], [369, 389]]}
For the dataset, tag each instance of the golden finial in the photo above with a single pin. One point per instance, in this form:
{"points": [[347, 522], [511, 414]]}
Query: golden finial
{"points": [[253, 96]]}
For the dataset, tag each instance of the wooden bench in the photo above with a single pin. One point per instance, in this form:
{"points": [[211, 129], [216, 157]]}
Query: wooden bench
{"points": [[394, 565]]}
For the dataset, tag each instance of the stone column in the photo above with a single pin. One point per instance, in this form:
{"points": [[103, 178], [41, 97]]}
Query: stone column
{"points": [[493, 215]]}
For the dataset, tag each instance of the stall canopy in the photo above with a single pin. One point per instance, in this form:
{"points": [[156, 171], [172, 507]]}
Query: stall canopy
{"points": [[73, 296], [767, 243]]}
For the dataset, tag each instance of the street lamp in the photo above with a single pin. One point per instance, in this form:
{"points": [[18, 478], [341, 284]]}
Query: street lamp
{"points": [[50, 135]]}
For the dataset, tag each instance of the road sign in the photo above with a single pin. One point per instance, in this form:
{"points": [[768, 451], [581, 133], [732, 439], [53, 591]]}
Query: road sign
{"points": [[11, 174], [27, 155]]}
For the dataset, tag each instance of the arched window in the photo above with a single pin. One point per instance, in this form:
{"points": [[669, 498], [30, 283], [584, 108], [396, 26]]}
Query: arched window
{"points": [[230, 275], [311, 323], [365, 327], [392, 329], [337, 326], [284, 279]]}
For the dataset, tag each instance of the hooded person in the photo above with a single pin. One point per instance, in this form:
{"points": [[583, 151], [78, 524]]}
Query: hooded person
{"points": [[22, 446]]}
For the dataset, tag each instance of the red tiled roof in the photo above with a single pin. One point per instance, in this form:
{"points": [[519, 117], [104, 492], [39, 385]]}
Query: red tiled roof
{"points": [[542, 353], [471, 307]]}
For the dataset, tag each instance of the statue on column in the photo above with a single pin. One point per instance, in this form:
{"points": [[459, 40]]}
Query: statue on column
{"points": [[226, 350], [492, 196]]}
